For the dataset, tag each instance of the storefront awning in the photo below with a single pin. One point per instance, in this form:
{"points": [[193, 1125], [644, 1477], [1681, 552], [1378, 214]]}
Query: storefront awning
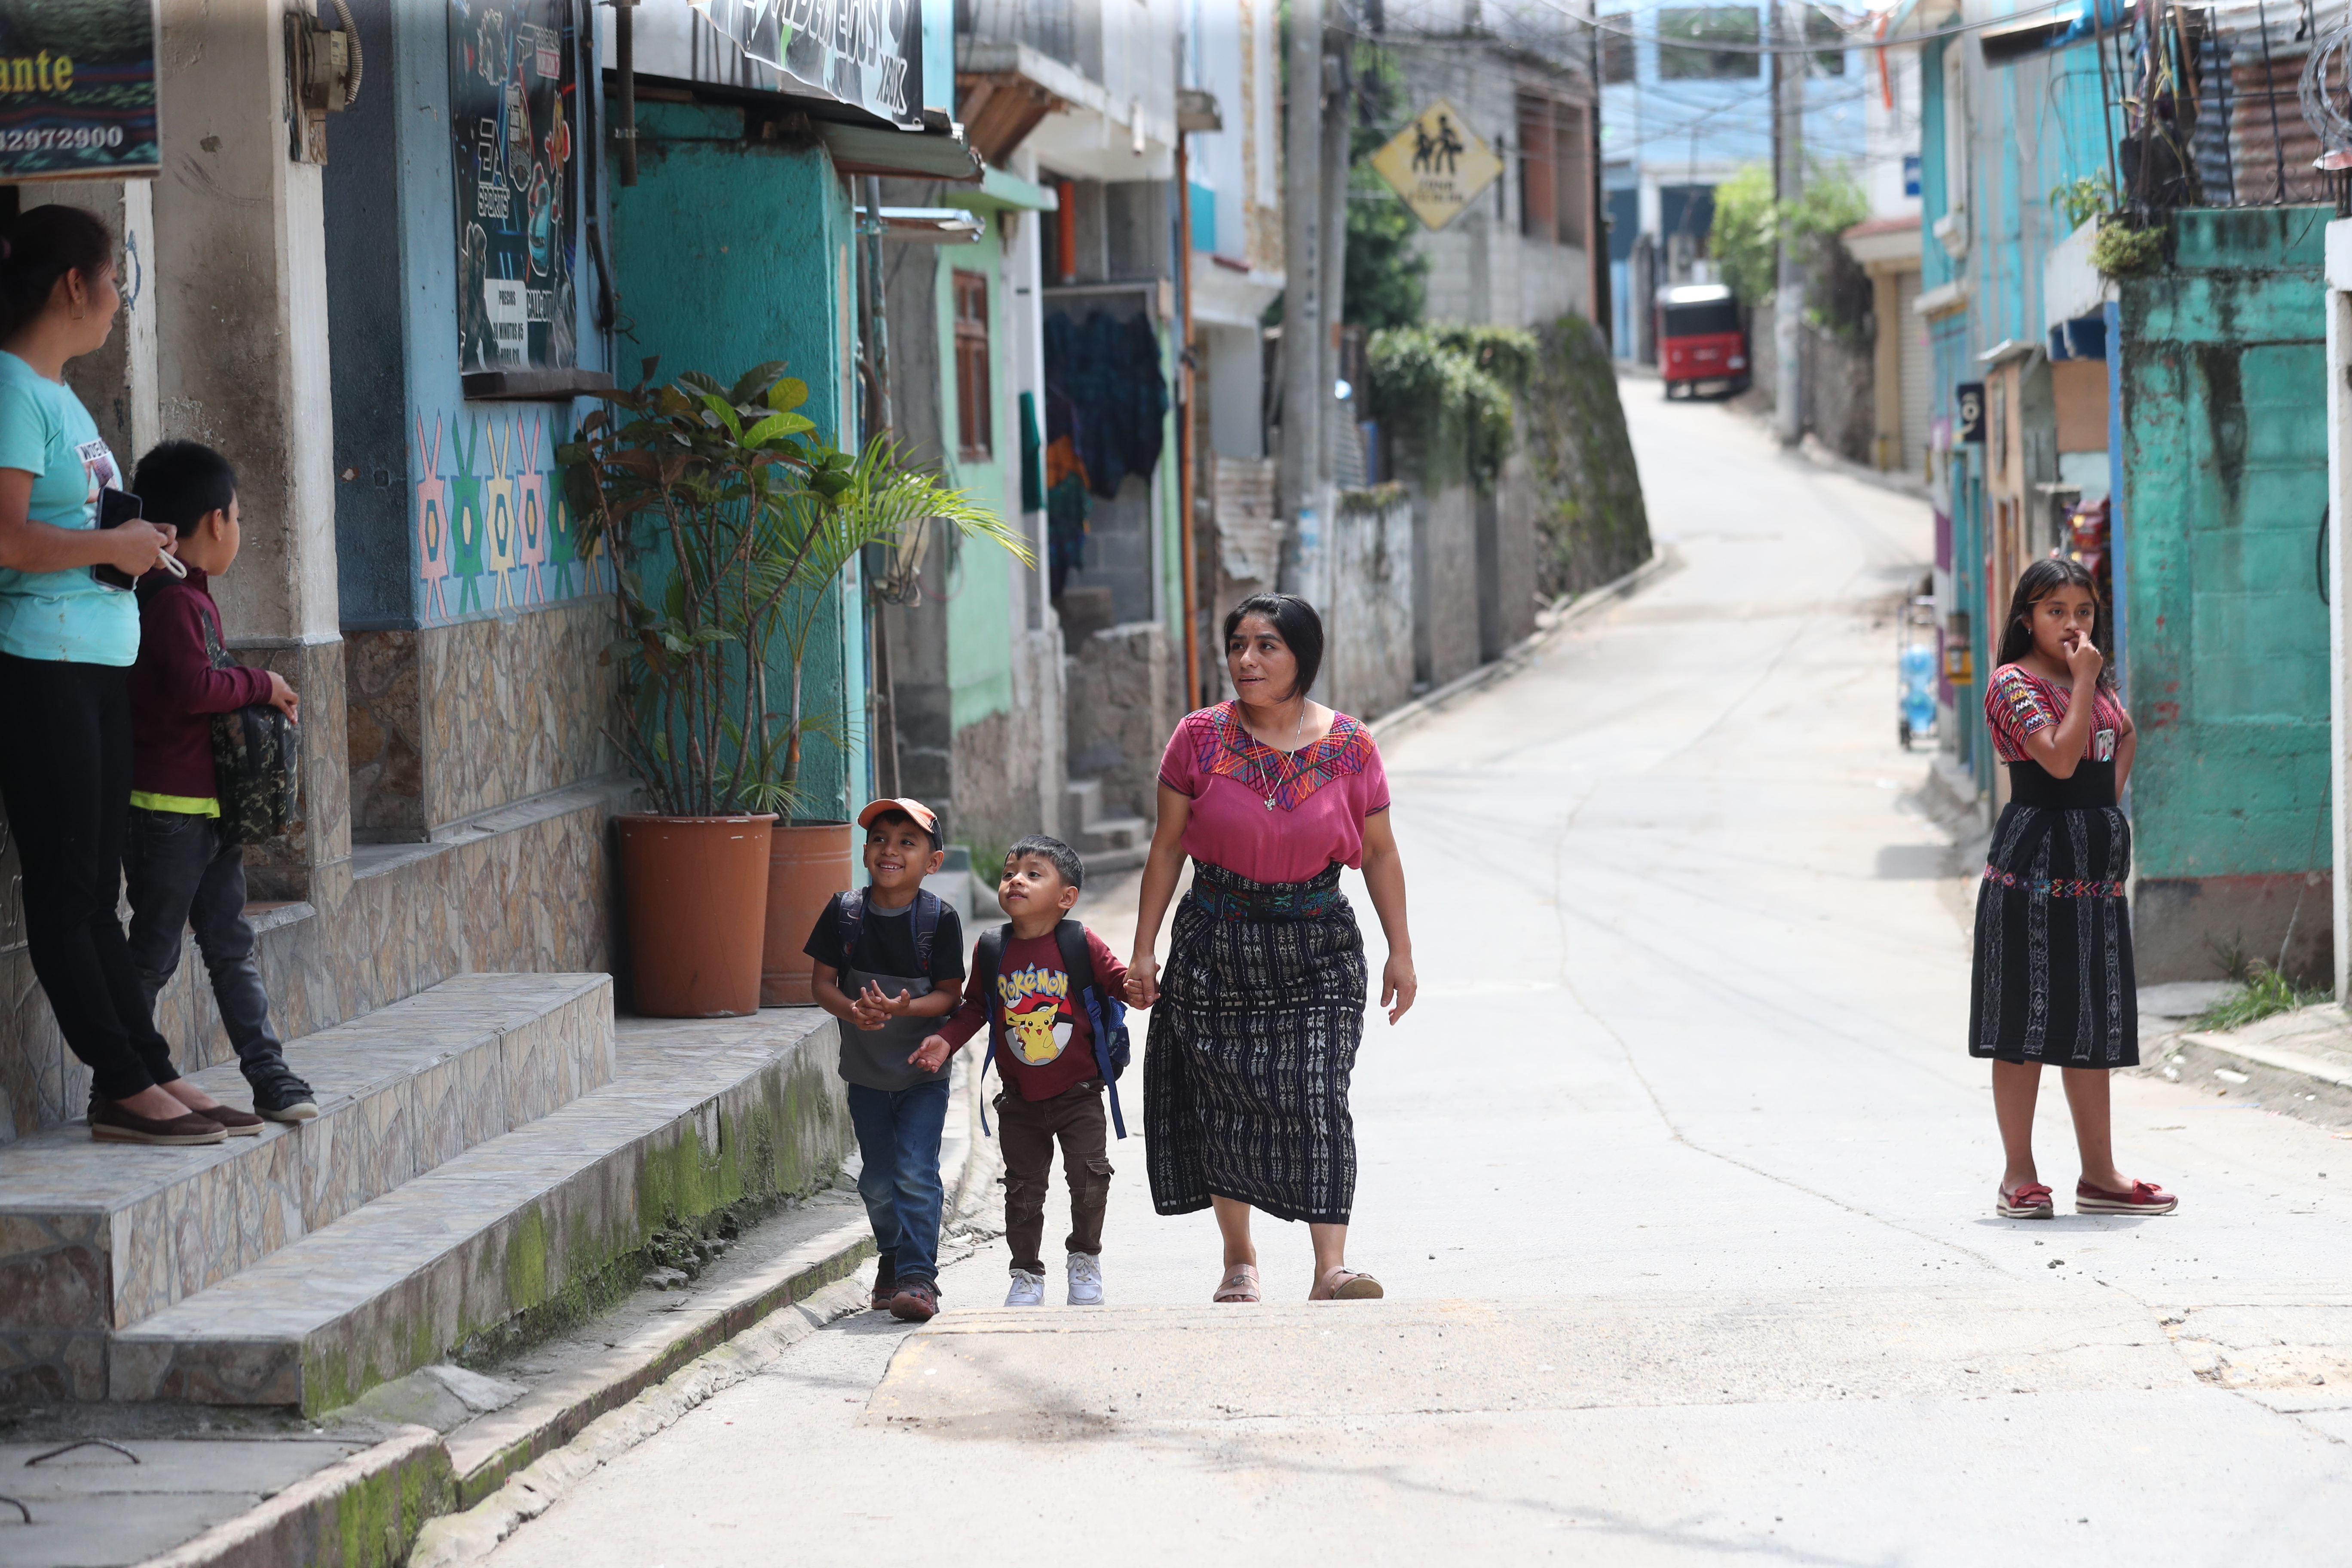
{"points": [[930, 225]]}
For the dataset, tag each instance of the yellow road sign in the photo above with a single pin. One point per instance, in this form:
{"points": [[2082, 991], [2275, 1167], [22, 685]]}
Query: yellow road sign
{"points": [[1437, 164]]}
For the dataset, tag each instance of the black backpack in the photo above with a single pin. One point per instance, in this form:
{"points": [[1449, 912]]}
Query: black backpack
{"points": [[256, 763], [927, 905], [1106, 1014]]}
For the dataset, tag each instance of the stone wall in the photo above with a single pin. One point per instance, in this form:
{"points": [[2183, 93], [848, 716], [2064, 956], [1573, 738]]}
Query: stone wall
{"points": [[1120, 710], [1368, 622], [1008, 766], [1445, 583]]}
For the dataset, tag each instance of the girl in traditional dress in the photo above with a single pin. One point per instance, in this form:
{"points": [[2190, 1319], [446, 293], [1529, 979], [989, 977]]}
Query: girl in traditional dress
{"points": [[1258, 1017], [2054, 958]]}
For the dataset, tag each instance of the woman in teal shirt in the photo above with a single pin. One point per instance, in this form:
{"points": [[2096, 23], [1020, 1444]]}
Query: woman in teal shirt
{"points": [[66, 644]]}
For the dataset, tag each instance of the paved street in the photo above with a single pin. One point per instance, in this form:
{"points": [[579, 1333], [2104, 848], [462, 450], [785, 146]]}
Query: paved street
{"points": [[1679, 1178]]}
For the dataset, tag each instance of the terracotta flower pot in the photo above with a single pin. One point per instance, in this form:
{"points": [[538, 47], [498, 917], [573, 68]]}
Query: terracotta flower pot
{"points": [[698, 894], [807, 863]]}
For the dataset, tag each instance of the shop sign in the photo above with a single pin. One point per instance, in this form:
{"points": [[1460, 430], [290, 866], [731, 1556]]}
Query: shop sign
{"points": [[1968, 411], [853, 51], [77, 90], [1438, 164], [512, 108]]}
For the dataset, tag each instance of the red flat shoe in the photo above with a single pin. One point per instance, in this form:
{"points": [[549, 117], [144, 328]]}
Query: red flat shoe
{"points": [[2145, 1197], [2030, 1200]]}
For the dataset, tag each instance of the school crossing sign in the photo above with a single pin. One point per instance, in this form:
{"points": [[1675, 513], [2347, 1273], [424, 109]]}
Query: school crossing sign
{"points": [[1438, 164]]}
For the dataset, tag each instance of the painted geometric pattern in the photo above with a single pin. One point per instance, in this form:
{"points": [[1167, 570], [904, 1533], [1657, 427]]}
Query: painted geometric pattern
{"points": [[493, 531], [1228, 749]]}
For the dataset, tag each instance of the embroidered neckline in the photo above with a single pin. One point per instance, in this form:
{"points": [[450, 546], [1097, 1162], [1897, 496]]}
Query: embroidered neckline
{"points": [[1228, 750]]}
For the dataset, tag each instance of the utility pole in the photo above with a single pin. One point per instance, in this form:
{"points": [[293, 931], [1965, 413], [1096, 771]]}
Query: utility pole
{"points": [[1787, 186], [1302, 266], [1338, 120]]}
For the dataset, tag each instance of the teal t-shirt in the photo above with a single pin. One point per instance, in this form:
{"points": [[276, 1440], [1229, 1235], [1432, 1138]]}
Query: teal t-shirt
{"points": [[68, 614]]}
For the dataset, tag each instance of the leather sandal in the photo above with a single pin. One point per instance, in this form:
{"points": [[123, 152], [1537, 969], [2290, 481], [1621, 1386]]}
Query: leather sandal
{"points": [[1239, 1284], [1340, 1284], [2030, 1200], [2142, 1197]]}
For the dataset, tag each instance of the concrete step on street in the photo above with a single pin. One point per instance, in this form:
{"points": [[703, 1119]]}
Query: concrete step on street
{"points": [[95, 1238], [695, 1117]]}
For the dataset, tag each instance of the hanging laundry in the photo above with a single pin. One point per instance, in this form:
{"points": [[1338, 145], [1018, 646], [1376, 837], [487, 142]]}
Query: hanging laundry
{"points": [[1068, 505], [1109, 367]]}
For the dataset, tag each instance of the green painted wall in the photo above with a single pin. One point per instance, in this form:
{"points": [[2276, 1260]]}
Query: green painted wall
{"points": [[727, 254], [2224, 466], [979, 589]]}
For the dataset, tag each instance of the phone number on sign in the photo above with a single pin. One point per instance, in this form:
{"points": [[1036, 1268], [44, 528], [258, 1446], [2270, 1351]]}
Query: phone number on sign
{"points": [[54, 139]]}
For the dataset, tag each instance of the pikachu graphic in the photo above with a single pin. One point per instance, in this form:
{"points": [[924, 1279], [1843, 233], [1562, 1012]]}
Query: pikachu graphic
{"points": [[1039, 1034]]}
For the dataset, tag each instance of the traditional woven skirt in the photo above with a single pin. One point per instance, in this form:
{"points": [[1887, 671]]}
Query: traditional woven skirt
{"points": [[2054, 959], [1245, 1079]]}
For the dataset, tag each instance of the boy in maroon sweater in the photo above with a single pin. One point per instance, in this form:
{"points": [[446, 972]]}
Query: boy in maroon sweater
{"points": [[180, 868], [1053, 1081]]}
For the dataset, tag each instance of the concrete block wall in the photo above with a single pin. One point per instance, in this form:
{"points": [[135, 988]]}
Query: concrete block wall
{"points": [[1120, 709], [1368, 625]]}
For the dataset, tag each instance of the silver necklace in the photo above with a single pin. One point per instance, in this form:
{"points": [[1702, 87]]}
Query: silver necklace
{"points": [[1289, 758]]}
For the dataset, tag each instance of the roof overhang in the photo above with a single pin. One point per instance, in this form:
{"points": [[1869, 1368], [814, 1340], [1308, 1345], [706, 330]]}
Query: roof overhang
{"points": [[1882, 240], [1914, 18], [911, 154], [930, 225], [1942, 299]]}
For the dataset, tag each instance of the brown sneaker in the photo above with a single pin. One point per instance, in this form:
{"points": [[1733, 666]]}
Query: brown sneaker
{"points": [[109, 1122], [884, 1291], [918, 1301]]}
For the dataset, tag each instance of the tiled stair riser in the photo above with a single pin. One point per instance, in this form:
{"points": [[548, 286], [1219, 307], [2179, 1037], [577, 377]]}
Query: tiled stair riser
{"points": [[93, 1236], [353, 1314]]}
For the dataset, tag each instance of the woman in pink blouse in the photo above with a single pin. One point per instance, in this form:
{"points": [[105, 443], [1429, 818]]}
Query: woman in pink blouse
{"points": [[1257, 1018], [2052, 981]]}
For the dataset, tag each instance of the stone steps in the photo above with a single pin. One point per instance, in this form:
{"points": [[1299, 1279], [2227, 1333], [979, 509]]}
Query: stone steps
{"points": [[695, 1117], [97, 1236]]}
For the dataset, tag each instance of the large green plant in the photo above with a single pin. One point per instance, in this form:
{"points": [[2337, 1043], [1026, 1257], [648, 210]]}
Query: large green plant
{"points": [[1447, 391], [726, 519]]}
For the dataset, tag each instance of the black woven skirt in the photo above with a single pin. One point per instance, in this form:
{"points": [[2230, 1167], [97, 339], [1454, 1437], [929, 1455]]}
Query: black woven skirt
{"points": [[1252, 1040], [2052, 981]]}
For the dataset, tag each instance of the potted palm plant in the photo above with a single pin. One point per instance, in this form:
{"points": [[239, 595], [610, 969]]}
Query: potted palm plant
{"points": [[727, 521]]}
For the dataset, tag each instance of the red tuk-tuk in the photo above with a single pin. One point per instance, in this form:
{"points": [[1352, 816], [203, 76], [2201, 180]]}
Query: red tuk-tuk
{"points": [[1701, 343]]}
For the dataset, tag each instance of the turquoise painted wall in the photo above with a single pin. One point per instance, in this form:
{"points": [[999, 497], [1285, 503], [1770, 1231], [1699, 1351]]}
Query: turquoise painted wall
{"points": [[727, 254], [2224, 466], [979, 588]]}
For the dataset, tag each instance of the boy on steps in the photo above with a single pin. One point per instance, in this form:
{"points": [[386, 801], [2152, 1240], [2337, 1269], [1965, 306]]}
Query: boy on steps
{"points": [[180, 868], [887, 959], [1045, 988]]}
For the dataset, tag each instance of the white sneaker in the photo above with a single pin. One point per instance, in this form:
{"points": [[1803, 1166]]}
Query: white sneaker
{"points": [[1085, 1280], [1028, 1289]]}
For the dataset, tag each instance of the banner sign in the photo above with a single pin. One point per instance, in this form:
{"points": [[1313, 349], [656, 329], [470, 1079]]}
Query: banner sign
{"points": [[513, 102], [77, 90], [853, 51], [1968, 402], [1437, 164]]}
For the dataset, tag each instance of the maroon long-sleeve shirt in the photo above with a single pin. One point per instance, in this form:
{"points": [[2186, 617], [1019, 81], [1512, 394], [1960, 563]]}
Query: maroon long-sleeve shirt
{"points": [[183, 678], [1049, 1042]]}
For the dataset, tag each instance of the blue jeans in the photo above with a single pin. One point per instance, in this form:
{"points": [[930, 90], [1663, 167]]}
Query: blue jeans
{"points": [[899, 1138]]}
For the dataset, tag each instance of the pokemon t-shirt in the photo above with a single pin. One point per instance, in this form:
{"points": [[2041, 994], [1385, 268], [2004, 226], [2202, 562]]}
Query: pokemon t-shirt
{"points": [[1049, 1046]]}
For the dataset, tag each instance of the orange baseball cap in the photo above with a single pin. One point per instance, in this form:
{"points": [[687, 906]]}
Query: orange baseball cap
{"points": [[925, 818]]}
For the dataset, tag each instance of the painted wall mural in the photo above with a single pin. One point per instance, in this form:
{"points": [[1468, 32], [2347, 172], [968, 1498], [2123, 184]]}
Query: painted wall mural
{"points": [[511, 109], [493, 533]]}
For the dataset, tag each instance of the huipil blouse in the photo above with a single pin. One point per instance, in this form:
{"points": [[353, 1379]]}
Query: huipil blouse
{"points": [[2018, 702], [1321, 793]]}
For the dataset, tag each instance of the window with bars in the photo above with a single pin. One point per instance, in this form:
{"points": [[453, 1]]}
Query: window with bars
{"points": [[1539, 186], [1572, 172], [976, 428], [1617, 57]]}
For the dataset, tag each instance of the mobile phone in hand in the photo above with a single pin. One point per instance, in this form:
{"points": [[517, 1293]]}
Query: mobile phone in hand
{"points": [[116, 508]]}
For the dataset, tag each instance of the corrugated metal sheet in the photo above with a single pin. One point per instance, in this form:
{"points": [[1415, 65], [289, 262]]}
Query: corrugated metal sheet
{"points": [[1915, 360]]}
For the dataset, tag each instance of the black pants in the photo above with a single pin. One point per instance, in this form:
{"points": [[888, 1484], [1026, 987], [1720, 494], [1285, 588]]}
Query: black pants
{"points": [[1027, 1131], [65, 778], [182, 871]]}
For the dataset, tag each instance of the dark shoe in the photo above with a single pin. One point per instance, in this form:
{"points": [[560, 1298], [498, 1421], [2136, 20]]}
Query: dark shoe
{"points": [[918, 1301], [884, 1291], [111, 1123], [285, 1099], [235, 1124]]}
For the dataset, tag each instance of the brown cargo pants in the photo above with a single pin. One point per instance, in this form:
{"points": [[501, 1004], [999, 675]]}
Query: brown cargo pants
{"points": [[1027, 1131]]}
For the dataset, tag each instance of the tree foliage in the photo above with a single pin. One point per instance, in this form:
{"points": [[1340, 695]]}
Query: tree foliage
{"points": [[725, 521], [1447, 393], [1386, 276]]}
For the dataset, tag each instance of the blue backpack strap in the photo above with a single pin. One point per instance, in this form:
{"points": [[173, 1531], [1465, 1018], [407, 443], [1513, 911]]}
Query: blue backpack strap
{"points": [[1079, 964], [987, 954]]}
